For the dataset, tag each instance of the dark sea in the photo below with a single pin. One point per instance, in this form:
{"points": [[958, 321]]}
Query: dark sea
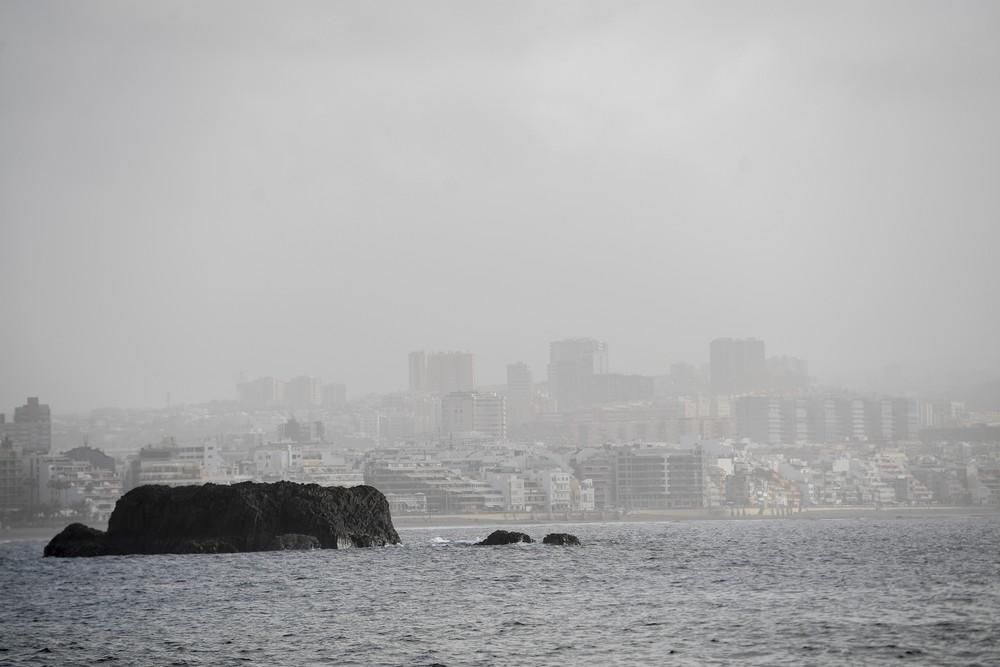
{"points": [[917, 591]]}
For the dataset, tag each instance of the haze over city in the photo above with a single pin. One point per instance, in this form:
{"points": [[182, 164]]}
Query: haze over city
{"points": [[500, 333], [188, 192]]}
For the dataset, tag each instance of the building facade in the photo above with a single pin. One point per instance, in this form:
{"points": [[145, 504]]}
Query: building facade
{"points": [[737, 366], [572, 365], [31, 429]]}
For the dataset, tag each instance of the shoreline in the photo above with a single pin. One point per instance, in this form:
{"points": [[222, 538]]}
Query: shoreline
{"points": [[667, 516], [48, 531]]}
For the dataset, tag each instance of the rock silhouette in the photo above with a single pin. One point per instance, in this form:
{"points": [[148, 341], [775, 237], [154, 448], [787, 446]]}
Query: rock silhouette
{"points": [[498, 537], [564, 539], [249, 516]]}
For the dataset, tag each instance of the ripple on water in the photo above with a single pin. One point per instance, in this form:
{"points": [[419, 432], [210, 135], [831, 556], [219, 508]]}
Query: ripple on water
{"points": [[922, 592]]}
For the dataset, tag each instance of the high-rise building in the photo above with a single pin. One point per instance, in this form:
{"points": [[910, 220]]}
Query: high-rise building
{"points": [[737, 366], [826, 417], [303, 392], [473, 412], [418, 371], [572, 364], [261, 393], [458, 413], [829, 419], [520, 394], [11, 477], [31, 430], [760, 418], [906, 419], [449, 372], [334, 396], [491, 415]]}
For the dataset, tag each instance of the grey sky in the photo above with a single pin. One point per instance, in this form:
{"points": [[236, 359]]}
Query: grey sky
{"points": [[188, 190]]}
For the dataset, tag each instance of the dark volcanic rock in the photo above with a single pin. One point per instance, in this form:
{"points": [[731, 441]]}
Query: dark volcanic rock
{"points": [[77, 539], [215, 518], [564, 539], [505, 537]]}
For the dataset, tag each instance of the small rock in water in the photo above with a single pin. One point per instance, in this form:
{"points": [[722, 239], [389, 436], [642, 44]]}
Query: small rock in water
{"points": [[564, 539], [505, 537]]}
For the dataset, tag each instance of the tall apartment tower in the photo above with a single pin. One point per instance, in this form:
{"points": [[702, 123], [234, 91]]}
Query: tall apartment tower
{"points": [[12, 488], [31, 430], [302, 392], [334, 396], [418, 372], [261, 393], [520, 394], [572, 364], [469, 411], [491, 415], [448, 372], [737, 366]]}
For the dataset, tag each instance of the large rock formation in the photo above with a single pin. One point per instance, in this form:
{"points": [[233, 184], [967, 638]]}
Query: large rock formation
{"points": [[564, 539], [505, 537], [215, 518]]}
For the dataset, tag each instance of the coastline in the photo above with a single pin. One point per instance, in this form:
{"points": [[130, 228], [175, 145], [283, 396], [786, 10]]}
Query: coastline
{"points": [[669, 516], [49, 530]]}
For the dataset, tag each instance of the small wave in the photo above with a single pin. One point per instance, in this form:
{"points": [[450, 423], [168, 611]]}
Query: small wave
{"points": [[442, 541]]}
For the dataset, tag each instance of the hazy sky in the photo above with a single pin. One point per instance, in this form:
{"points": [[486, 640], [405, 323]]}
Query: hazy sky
{"points": [[190, 190]]}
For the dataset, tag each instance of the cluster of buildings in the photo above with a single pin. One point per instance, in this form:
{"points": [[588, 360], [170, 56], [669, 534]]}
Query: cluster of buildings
{"points": [[813, 476], [81, 480], [303, 392], [829, 419], [745, 431]]}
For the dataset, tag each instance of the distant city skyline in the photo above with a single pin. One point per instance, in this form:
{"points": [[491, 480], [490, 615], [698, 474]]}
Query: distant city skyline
{"points": [[327, 389]]}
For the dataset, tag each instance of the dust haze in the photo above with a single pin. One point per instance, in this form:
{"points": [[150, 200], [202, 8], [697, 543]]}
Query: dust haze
{"points": [[193, 194]]}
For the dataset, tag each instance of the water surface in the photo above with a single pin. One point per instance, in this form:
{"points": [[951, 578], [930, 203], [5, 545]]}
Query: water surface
{"points": [[920, 591]]}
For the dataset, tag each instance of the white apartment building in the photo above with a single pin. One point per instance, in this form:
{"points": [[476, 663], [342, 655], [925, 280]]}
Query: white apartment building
{"points": [[556, 485], [512, 488]]}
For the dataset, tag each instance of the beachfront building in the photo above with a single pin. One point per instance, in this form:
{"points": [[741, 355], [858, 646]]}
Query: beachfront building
{"points": [[512, 488], [11, 478], [555, 485], [446, 490], [659, 477]]}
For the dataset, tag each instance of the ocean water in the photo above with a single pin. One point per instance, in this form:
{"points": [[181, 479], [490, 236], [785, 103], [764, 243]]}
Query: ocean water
{"points": [[919, 591]]}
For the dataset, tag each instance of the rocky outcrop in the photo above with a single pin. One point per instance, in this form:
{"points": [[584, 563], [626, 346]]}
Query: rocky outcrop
{"points": [[215, 518], [563, 539], [498, 537], [77, 539]]}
